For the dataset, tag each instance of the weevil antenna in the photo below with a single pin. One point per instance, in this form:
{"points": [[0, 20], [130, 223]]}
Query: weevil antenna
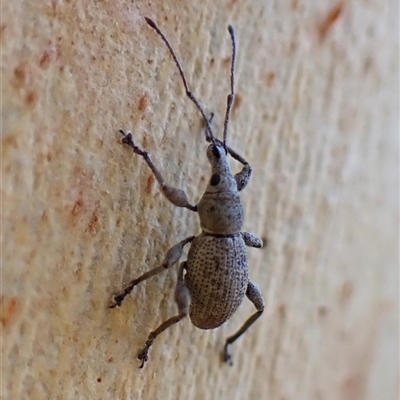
{"points": [[231, 96], [209, 135]]}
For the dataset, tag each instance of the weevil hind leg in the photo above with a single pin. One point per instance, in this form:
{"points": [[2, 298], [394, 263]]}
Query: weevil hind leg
{"points": [[254, 294], [176, 196], [182, 299], [172, 257]]}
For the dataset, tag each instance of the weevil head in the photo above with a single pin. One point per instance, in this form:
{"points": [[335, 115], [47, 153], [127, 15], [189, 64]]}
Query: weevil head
{"points": [[221, 179]]}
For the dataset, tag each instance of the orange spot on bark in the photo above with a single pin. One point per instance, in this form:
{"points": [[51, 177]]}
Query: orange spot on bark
{"points": [[8, 308], [346, 293], [19, 77], [94, 224], [150, 182], [143, 103], [77, 207], [270, 78], [282, 310], [327, 24], [238, 102], [45, 60], [226, 61], [31, 98]]}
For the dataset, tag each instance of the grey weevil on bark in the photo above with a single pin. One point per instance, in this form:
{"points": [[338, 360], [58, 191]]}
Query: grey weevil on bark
{"points": [[213, 281]]}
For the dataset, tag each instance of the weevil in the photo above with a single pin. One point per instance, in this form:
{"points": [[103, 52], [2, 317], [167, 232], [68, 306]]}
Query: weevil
{"points": [[214, 279]]}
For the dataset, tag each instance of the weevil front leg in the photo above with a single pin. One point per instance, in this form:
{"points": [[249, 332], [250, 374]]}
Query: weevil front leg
{"points": [[182, 299], [176, 196], [254, 294], [172, 257], [242, 178]]}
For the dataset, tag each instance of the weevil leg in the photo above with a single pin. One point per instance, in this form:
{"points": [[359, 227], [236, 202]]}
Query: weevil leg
{"points": [[242, 177], [251, 240], [182, 299], [172, 257], [254, 294], [176, 196]]}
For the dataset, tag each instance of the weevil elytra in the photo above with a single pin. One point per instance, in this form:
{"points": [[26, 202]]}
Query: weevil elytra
{"points": [[213, 281]]}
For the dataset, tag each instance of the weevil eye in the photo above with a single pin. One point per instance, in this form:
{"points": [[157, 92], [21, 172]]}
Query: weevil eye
{"points": [[215, 178], [215, 151]]}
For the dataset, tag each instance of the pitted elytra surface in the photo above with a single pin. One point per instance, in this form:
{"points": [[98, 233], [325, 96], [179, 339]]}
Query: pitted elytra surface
{"points": [[213, 281], [217, 277]]}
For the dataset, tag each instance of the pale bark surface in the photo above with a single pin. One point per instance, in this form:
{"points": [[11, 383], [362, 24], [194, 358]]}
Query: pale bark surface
{"points": [[316, 116]]}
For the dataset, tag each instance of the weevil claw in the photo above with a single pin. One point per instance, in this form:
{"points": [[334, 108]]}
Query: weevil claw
{"points": [[116, 300], [227, 357], [127, 139], [143, 356]]}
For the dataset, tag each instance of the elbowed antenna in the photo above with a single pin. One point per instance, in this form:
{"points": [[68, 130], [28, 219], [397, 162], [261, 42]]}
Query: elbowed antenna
{"points": [[231, 96], [209, 135]]}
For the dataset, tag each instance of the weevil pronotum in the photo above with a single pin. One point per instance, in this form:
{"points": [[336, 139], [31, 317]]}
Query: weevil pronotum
{"points": [[213, 281]]}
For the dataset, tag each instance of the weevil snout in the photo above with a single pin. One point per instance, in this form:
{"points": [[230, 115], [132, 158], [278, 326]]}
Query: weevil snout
{"points": [[217, 156], [221, 176], [216, 152]]}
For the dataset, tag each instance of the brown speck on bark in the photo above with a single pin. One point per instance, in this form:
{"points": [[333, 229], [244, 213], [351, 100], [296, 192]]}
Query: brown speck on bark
{"points": [[353, 387], [270, 78], [10, 141], [145, 142], [237, 103], [226, 61], [93, 224], [45, 60], [31, 98], [150, 183], [295, 4], [8, 308], [322, 311], [327, 24], [2, 29], [368, 64], [292, 46], [282, 311], [19, 76], [98, 379], [77, 207], [265, 241], [143, 102], [346, 293]]}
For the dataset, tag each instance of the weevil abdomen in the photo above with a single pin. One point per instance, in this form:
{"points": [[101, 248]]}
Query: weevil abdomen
{"points": [[217, 278]]}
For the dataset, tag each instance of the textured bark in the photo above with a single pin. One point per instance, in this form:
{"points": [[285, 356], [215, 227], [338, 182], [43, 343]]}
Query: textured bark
{"points": [[316, 115]]}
